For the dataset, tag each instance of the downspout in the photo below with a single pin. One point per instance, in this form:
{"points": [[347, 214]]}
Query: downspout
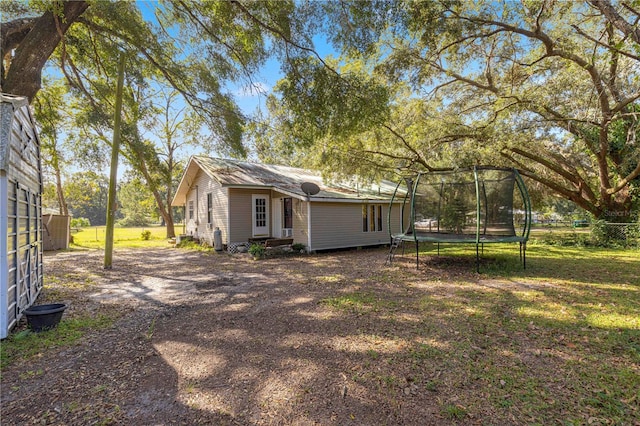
{"points": [[308, 224]]}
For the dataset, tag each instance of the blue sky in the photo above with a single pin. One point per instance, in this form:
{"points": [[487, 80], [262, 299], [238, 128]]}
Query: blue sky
{"points": [[248, 98]]}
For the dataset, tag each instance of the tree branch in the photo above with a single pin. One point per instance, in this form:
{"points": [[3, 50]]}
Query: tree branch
{"points": [[24, 76], [613, 48], [625, 181], [607, 9], [553, 185], [577, 181]]}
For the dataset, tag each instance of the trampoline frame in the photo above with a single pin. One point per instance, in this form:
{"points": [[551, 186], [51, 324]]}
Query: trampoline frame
{"points": [[480, 238]]}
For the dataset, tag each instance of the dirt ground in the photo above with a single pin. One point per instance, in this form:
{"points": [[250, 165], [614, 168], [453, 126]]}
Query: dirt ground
{"points": [[222, 339], [209, 339]]}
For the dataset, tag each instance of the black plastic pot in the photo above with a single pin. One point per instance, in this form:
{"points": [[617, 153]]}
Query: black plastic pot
{"points": [[44, 317]]}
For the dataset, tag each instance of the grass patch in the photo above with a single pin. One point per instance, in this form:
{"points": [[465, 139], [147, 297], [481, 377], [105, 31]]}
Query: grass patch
{"points": [[21, 346], [193, 245], [454, 412], [355, 302], [557, 343], [93, 237]]}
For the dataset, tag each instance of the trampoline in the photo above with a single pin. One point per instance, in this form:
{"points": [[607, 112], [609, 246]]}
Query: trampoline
{"points": [[479, 205]]}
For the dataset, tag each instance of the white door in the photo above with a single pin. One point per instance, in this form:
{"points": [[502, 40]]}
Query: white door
{"points": [[260, 215], [277, 217]]}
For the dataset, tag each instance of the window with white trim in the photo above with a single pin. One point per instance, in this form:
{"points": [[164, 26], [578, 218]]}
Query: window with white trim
{"points": [[372, 218], [191, 209], [287, 213]]}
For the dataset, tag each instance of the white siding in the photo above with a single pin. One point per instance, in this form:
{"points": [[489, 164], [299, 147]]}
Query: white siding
{"points": [[241, 216], [339, 225], [198, 226], [300, 234]]}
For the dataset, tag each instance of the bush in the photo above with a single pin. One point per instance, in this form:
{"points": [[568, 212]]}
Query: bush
{"points": [[257, 250], [134, 221], [145, 235], [80, 222], [299, 247], [572, 239]]}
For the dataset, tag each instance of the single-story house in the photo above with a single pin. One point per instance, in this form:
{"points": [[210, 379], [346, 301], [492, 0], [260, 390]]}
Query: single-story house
{"points": [[21, 274], [247, 201]]}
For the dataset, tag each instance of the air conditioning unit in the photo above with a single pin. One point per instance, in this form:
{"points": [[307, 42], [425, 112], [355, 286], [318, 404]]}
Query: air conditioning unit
{"points": [[209, 225], [287, 232]]}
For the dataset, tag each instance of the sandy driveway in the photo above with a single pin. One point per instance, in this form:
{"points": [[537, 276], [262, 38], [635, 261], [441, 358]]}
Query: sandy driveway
{"points": [[212, 339]]}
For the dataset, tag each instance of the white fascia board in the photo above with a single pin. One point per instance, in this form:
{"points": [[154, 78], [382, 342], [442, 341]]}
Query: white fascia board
{"points": [[352, 200]]}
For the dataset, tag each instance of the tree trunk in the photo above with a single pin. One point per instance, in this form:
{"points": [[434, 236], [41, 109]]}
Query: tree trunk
{"points": [[61, 201], [24, 76], [165, 210], [171, 232]]}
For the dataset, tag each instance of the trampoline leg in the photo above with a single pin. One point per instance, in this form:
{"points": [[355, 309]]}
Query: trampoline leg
{"points": [[417, 254], [520, 251], [524, 255], [477, 259]]}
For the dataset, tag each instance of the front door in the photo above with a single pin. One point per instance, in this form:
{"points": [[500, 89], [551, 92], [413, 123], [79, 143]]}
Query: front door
{"points": [[260, 215]]}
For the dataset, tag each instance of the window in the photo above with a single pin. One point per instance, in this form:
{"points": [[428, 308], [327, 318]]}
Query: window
{"points": [[261, 212], [371, 217], [365, 222], [191, 209], [287, 216], [209, 207]]}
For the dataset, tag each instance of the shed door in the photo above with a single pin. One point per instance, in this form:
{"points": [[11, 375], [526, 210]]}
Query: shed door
{"points": [[260, 215]]}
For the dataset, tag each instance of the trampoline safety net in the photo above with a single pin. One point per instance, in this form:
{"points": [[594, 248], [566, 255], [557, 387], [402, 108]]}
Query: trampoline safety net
{"points": [[478, 205], [447, 203]]}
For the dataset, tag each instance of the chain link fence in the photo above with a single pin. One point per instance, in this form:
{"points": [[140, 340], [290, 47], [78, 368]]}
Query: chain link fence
{"points": [[610, 234], [599, 233]]}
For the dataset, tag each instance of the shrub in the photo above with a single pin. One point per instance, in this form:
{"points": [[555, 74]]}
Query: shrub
{"points": [[572, 239], [257, 250], [133, 221], [299, 247], [145, 235], [80, 222]]}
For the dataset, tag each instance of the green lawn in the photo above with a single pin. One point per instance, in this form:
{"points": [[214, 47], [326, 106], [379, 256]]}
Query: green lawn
{"points": [[557, 343], [94, 237]]}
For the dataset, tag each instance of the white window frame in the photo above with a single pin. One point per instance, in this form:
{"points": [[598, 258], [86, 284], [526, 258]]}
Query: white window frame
{"points": [[372, 218]]}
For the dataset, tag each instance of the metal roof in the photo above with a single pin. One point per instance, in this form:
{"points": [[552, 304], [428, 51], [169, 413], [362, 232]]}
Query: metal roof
{"points": [[288, 180]]}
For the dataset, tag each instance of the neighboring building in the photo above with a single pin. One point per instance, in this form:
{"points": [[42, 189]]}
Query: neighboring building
{"points": [[56, 231], [20, 211], [249, 200]]}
